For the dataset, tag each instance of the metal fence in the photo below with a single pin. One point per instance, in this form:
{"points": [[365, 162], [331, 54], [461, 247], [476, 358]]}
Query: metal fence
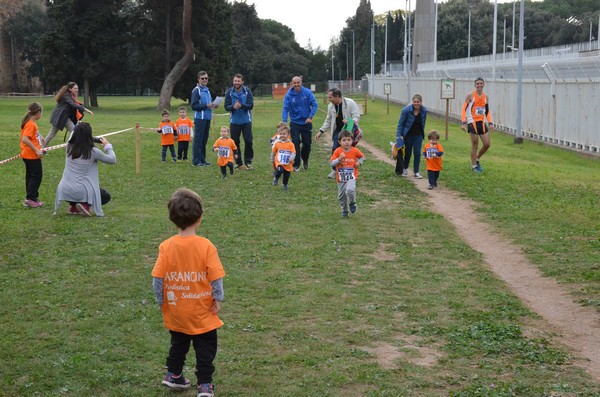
{"points": [[565, 113]]}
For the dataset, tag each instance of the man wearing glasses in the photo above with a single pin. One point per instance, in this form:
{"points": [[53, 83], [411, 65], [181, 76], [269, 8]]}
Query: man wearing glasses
{"points": [[202, 104]]}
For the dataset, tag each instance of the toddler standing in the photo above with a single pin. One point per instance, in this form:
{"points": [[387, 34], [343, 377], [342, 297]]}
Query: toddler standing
{"points": [[433, 153], [189, 274], [168, 136], [184, 127]]}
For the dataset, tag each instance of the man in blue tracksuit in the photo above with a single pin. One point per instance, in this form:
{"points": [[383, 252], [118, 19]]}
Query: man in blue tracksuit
{"points": [[202, 104], [300, 104], [240, 101]]}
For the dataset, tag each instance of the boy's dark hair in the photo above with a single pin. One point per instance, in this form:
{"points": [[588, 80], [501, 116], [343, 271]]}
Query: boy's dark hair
{"points": [[345, 133], [479, 79], [182, 108], [433, 134], [165, 111], [185, 208]]}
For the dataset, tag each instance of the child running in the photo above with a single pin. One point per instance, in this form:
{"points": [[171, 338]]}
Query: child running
{"points": [[189, 274], [282, 156], [433, 153], [346, 159], [184, 127], [226, 150], [31, 153], [168, 136]]}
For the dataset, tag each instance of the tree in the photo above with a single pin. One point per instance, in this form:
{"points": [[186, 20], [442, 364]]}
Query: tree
{"points": [[83, 54], [181, 66]]}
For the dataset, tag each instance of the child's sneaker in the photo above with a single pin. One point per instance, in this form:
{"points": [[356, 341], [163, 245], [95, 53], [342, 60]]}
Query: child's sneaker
{"points": [[223, 176], [430, 187], [344, 214], [275, 181], [418, 176], [174, 160], [405, 172], [353, 207], [175, 382], [478, 164], [206, 390], [285, 187]]}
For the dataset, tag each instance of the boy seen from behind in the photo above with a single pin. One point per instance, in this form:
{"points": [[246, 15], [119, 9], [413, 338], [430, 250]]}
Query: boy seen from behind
{"points": [[188, 285]]}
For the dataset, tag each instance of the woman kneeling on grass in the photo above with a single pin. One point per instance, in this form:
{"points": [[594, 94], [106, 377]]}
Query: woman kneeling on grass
{"points": [[79, 184]]}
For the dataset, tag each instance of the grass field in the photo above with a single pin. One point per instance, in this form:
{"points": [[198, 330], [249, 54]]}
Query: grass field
{"points": [[310, 298]]}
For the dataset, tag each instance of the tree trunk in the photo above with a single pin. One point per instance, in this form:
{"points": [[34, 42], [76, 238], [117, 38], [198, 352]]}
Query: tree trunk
{"points": [[164, 101]]}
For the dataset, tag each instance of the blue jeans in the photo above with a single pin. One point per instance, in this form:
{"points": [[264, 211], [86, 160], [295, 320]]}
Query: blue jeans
{"points": [[164, 152], [413, 145], [433, 177], [301, 133], [201, 130]]}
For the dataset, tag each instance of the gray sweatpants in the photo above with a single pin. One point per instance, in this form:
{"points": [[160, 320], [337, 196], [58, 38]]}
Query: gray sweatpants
{"points": [[347, 193]]}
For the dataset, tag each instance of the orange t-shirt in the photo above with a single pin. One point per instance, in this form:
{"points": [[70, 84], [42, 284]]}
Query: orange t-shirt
{"points": [[188, 264], [282, 152], [346, 169], [167, 136], [226, 150], [184, 129], [30, 130], [433, 163]]}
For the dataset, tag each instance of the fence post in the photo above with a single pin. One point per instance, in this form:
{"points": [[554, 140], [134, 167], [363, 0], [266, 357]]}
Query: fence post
{"points": [[138, 163], [366, 100]]}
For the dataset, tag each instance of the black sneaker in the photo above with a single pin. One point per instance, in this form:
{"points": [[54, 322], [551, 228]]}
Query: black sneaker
{"points": [[353, 207], [175, 382], [305, 165]]}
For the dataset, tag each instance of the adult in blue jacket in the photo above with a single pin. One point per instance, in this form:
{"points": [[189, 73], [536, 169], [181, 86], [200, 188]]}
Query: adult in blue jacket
{"points": [[411, 127], [300, 105], [240, 101], [202, 104]]}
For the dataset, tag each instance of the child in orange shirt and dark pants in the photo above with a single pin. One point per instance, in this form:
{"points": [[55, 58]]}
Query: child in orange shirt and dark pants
{"points": [[188, 285], [433, 153], [282, 156], [31, 153], [168, 136]]}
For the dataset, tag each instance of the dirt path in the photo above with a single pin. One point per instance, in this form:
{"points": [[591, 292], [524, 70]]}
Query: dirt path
{"points": [[575, 326]]}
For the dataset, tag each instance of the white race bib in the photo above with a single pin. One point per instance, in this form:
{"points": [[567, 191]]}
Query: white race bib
{"points": [[346, 174], [224, 151], [283, 156]]}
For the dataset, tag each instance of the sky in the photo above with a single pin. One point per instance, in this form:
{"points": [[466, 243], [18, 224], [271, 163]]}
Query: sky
{"points": [[321, 20]]}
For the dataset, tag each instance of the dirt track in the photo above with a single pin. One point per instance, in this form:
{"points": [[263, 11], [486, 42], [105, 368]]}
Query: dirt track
{"points": [[577, 327]]}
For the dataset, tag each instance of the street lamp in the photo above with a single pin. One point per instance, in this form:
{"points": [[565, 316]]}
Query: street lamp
{"points": [[353, 62], [332, 70], [346, 61], [469, 38]]}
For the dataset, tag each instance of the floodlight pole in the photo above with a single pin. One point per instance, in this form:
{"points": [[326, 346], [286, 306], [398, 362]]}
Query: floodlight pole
{"points": [[353, 62], [518, 136]]}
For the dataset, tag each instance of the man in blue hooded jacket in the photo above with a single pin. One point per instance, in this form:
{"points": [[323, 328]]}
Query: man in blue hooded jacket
{"points": [[240, 101], [201, 102], [300, 104]]}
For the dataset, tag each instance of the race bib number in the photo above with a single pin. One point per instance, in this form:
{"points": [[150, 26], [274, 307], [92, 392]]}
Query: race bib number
{"points": [[480, 111], [167, 129], [431, 153], [184, 130], [283, 156], [224, 151], [346, 174]]}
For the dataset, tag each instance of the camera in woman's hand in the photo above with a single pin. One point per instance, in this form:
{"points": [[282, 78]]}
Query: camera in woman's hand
{"points": [[97, 139]]}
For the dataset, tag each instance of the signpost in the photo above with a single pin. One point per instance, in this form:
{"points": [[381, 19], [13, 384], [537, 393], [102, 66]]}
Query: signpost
{"points": [[447, 91], [387, 90]]}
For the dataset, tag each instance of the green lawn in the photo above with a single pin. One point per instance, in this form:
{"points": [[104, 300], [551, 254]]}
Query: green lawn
{"points": [[309, 296]]}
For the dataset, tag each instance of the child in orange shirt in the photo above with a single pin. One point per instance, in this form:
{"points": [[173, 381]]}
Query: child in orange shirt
{"points": [[283, 155], [189, 274], [346, 159], [226, 150], [168, 135], [433, 153], [31, 153], [184, 127]]}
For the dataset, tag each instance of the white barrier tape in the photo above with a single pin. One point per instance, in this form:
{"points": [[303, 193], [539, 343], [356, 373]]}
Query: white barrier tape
{"points": [[50, 148]]}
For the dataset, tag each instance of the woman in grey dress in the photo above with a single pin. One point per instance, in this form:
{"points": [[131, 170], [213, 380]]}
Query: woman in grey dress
{"points": [[79, 184]]}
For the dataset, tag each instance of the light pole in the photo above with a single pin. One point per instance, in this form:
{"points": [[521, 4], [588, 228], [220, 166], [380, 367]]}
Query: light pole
{"points": [[435, 40], [469, 38], [590, 34], [504, 40], [346, 61], [332, 70], [353, 62]]}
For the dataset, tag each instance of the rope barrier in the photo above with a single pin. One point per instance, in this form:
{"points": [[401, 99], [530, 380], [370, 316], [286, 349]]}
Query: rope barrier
{"points": [[50, 148]]}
